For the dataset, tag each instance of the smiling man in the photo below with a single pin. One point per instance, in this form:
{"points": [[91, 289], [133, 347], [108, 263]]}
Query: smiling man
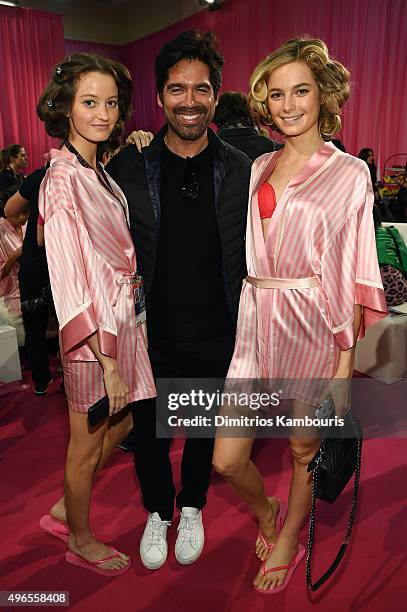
{"points": [[187, 195]]}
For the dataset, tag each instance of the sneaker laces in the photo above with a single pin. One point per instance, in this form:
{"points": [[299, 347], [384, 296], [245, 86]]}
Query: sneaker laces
{"points": [[188, 525], [156, 533]]}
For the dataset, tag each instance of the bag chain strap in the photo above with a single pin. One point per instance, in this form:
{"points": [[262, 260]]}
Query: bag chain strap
{"points": [[352, 513]]}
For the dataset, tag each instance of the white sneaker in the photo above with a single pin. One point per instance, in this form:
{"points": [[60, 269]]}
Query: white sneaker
{"points": [[191, 536], [153, 544]]}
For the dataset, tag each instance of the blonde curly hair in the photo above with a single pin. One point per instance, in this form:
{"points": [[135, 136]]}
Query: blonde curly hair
{"points": [[331, 77]]}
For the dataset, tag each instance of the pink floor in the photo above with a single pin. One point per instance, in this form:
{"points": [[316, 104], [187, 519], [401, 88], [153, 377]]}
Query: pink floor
{"points": [[33, 439]]}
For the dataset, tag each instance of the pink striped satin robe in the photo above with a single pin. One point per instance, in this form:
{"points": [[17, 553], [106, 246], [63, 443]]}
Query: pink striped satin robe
{"points": [[10, 240], [90, 252], [322, 229]]}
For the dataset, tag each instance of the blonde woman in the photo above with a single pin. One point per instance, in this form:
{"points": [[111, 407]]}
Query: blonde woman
{"points": [[313, 280]]}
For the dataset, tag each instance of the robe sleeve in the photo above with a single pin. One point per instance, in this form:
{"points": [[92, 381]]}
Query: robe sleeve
{"points": [[4, 255], [3, 259], [69, 254], [350, 275]]}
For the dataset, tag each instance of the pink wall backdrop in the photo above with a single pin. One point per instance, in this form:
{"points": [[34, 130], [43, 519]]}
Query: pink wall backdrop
{"points": [[368, 36], [113, 51], [31, 42]]}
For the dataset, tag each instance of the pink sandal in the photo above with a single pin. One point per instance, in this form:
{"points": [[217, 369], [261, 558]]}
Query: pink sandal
{"points": [[74, 559], [53, 527], [295, 561], [282, 512]]}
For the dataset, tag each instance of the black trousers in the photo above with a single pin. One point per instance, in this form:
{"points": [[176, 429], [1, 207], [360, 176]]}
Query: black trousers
{"points": [[206, 359], [37, 347], [35, 326]]}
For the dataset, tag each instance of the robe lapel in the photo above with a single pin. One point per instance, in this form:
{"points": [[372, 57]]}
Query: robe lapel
{"points": [[266, 251], [106, 214], [316, 163], [261, 262], [323, 157]]}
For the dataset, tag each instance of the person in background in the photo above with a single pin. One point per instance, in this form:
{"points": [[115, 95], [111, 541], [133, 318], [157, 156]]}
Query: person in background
{"points": [[237, 127], [398, 205], [338, 144], [95, 286], [392, 256], [33, 279], [11, 241], [13, 164], [368, 156]]}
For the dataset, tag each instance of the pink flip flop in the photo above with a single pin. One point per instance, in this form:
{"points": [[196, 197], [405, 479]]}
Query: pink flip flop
{"points": [[74, 559], [53, 527], [295, 561], [282, 513]]}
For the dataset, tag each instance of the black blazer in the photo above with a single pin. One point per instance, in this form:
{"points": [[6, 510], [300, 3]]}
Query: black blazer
{"points": [[139, 176], [246, 139]]}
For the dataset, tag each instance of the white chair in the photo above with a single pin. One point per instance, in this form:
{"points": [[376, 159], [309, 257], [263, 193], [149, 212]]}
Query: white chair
{"points": [[10, 369]]}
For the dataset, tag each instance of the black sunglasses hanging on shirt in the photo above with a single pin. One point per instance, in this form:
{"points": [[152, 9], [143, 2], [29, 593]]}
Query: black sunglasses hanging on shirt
{"points": [[190, 185]]}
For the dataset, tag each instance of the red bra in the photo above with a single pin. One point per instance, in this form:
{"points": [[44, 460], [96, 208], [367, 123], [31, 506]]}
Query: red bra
{"points": [[267, 201]]}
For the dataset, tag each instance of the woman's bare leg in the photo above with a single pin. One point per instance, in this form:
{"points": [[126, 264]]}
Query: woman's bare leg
{"points": [[231, 459], [118, 429], [84, 454], [303, 449]]}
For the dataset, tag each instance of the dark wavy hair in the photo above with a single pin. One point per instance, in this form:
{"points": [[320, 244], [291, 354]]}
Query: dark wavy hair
{"points": [[11, 151], [233, 108], [192, 44], [364, 153], [58, 97], [377, 217]]}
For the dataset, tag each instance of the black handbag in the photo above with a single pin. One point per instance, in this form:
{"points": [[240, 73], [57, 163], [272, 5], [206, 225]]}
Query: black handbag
{"points": [[338, 459]]}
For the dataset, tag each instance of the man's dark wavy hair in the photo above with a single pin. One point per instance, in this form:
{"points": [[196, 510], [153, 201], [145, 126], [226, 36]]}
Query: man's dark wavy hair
{"points": [[192, 44], [233, 108]]}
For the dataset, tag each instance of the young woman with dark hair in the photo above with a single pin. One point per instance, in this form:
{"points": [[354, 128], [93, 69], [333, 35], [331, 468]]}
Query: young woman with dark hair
{"points": [[93, 273], [13, 161], [368, 156]]}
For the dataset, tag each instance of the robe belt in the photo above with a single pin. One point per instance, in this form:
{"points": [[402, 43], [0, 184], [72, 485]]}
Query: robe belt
{"points": [[283, 283], [132, 279]]}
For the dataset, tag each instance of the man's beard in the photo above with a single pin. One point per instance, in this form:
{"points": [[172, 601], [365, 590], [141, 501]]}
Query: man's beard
{"points": [[190, 132]]}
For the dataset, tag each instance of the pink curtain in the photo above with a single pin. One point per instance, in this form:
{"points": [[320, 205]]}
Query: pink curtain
{"points": [[368, 36], [114, 52], [393, 94], [31, 42]]}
